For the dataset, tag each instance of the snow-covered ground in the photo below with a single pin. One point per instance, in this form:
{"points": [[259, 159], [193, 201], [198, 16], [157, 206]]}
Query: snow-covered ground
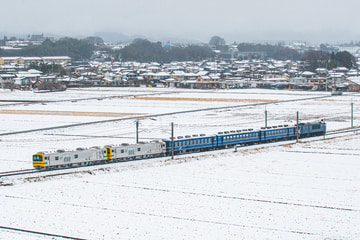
{"points": [[308, 190]]}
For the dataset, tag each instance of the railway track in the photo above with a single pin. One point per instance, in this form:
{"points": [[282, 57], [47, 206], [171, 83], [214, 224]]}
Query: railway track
{"points": [[344, 130], [17, 172], [76, 170], [39, 233]]}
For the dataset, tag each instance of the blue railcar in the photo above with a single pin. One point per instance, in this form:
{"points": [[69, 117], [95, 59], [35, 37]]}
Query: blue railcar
{"points": [[238, 138], [278, 133], [191, 144]]}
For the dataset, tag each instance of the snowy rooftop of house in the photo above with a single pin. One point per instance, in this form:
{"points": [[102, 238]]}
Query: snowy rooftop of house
{"points": [[355, 80]]}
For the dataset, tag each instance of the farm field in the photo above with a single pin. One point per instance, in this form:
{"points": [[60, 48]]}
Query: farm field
{"points": [[308, 190]]}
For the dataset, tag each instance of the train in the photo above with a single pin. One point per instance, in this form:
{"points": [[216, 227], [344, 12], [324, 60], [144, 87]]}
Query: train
{"points": [[178, 145]]}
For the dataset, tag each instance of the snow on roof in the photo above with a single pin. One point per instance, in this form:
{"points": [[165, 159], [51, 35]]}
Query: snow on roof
{"points": [[34, 71], [354, 80], [307, 73]]}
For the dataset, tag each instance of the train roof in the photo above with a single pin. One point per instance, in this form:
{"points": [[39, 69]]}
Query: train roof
{"points": [[231, 132]]}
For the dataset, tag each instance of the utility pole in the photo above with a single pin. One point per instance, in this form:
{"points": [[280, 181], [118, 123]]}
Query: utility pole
{"points": [[265, 118], [137, 131], [297, 127], [172, 140], [352, 114]]}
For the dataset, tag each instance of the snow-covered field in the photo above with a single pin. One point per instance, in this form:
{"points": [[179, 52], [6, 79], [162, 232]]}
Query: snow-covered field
{"points": [[308, 190]]}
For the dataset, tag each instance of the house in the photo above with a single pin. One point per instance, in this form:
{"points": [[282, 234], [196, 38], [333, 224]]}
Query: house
{"points": [[48, 79], [28, 60], [299, 83], [353, 84], [9, 60], [177, 75], [63, 60], [318, 83], [206, 82]]}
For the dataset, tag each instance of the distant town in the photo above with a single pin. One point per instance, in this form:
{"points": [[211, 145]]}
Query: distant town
{"points": [[39, 63]]}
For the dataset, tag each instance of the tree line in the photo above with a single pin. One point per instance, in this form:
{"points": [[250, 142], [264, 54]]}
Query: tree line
{"points": [[142, 50], [320, 59], [74, 48]]}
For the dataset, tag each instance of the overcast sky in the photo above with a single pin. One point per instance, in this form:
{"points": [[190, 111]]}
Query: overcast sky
{"points": [[235, 20]]}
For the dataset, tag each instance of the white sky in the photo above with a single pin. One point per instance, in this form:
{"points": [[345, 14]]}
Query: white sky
{"points": [[234, 20]]}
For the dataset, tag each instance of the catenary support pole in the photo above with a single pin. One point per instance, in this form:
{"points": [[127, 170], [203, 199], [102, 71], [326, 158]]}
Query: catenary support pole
{"points": [[172, 140], [265, 118], [297, 127], [352, 115], [137, 131]]}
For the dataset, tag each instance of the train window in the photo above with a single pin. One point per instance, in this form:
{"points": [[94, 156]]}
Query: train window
{"points": [[76, 156], [139, 149], [122, 150], [46, 158], [56, 158], [191, 142]]}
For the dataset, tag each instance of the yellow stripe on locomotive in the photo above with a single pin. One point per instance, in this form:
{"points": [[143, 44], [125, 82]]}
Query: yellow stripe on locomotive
{"points": [[39, 160]]}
